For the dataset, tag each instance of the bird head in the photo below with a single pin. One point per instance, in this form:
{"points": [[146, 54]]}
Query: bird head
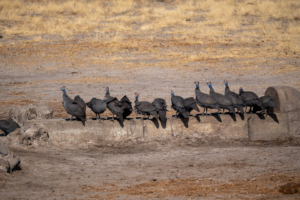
{"points": [[105, 99], [209, 84], [107, 89], [197, 84], [226, 83], [136, 96], [241, 89], [63, 88], [172, 93]]}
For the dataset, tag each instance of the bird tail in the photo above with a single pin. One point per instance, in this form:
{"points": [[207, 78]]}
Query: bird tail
{"points": [[154, 113], [240, 108], [260, 104], [88, 104], [120, 116], [82, 119], [195, 107], [184, 112], [272, 104], [162, 115]]}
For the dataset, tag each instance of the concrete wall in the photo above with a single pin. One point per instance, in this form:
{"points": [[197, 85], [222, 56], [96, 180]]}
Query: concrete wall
{"points": [[283, 123]]}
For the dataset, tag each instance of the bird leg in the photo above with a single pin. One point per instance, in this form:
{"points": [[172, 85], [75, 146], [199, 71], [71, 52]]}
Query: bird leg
{"points": [[223, 111], [113, 118]]}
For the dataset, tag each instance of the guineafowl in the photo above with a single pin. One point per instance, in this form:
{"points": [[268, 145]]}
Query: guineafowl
{"points": [[144, 107], [268, 102], [190, 104], [250, 99], [8, 126], [237, 103], [98, 106], [126, 105], [178, 104], [205, 100], [73, 108], [161, 106], [223, 101], [114, 105]]}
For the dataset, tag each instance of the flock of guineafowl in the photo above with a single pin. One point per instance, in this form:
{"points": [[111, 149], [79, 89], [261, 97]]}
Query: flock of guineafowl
{"points": [[158, 108]]}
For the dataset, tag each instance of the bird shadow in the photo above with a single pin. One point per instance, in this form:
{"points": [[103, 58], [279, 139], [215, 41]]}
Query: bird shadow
{"points": [[273, 116], [185, 121], [232, 115], [217, 116], [155, 122], [260, 115], [197, 117], [241, 116]]}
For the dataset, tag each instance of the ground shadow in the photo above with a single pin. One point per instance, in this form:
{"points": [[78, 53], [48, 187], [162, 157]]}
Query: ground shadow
{"points": [[232, 115], [216, 115], [185, 121], [261, 116], [155, 122], [241, 116], [197, 117], [274, 117]]}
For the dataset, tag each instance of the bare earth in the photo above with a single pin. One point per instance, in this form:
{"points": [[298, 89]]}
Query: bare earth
{"points": [[179, 168]]}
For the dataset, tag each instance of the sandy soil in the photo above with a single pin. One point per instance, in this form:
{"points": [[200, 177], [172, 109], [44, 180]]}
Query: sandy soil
{"points": [[178, 168]]}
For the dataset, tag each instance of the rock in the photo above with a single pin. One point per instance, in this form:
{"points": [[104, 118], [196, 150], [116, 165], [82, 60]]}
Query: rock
{"points": [[29, 112], [8, 161], [3, 149], [44, 112], [22, 114]]}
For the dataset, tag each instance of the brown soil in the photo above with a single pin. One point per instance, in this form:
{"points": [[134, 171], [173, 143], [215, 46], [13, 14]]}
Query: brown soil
{"points": [[177, 168]]}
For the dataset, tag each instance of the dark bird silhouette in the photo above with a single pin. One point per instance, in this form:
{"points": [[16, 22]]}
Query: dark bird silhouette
{"points": [[114, 105], [126, 105], [178, 104], [98, 106], [80, 102], [161, 107], [234, 98], [223, 101], [205, 100], [8, 126], [268, 103], [191, 104], [74, 108], [144, 107], [250, 99]]}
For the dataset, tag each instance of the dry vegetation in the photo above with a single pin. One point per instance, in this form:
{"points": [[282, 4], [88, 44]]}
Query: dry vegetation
{"points": [[192, 22], [253, 33]]}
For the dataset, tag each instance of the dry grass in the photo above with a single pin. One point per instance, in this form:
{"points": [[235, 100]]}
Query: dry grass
{"points": [[191, 31]]}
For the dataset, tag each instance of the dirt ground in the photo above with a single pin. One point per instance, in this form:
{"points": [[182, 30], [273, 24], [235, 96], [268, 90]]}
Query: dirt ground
{"points": [[145, 50], [177, 168]]}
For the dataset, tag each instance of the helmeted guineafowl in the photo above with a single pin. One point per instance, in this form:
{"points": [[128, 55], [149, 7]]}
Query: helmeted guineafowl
{"points": [[114, 105], [8, 126], [74, 108], [250, 99], [268, 102], [223, 101], [126, 105], [205, 100], [144, 107], [161, 107], [237, 103], [190, 104], [98, 106], [178, 104]]}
